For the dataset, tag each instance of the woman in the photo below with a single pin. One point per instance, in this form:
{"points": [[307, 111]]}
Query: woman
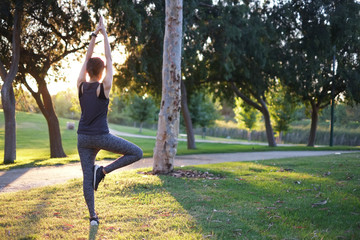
{"points": [[93, 131]]}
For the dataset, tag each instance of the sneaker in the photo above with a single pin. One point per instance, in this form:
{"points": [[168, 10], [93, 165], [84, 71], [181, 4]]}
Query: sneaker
{"points": [[94, 221], [98, 176]]}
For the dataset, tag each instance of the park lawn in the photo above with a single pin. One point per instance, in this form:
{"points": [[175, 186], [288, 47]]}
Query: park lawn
{"points": [[33, 144], [152, 132], [271, 199]]}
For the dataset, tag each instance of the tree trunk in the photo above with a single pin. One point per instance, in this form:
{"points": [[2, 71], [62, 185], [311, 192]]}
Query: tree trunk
{"points": [[8, 102], [141, 125], [314, 120], [268, 127], [168, 124], [263, 109], [187, 118], [43, 100], [7, 91], [56, 148]]}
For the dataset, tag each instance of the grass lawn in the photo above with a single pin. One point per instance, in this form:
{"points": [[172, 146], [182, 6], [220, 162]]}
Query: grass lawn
{"points": [[33, 144], [152, 132], [272, 199]]}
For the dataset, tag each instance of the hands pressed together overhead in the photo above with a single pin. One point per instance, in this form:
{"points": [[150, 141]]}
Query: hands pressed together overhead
{"points": [[101, 26]]}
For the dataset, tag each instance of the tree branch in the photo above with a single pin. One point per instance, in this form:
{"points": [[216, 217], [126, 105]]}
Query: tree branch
{"points": [[53, 29], [324, 105], [245, 98], [67, 52], [15, 44]]}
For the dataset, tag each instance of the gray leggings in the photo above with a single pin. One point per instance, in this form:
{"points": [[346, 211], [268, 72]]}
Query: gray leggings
{"points": [[89, 146]]}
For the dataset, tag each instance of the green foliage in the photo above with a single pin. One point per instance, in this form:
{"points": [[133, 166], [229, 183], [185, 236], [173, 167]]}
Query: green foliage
{"points": [[240, 50], [117, 109], [66, 104], [202, 109], [283, 105], [141, 31], [142, 109], [245, 115], [24, 101], [312, 32]]}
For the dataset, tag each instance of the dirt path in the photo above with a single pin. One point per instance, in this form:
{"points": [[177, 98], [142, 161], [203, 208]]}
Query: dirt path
{"points": [[27, 178]]}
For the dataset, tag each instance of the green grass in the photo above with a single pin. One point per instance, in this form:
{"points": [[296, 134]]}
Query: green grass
{"points": [[253, 200], [33, 144], [152, 132]]}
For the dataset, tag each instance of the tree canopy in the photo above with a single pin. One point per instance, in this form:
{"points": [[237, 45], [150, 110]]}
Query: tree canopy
{"points": [[240, 55], [313, 33]]}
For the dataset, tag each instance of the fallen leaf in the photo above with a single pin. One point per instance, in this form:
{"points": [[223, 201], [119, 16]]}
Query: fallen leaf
{"points": [[57, 214], [239, 179], [320, 203]]}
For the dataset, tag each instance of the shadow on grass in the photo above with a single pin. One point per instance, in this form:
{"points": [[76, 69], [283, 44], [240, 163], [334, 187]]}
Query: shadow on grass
{"points": [[93, 232], [8, 177], [42, 162], [265, 202]]}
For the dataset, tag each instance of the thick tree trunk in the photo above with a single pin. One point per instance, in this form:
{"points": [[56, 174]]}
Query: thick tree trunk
{"points": [[314, 121], [168, 124], [43, 100], [56, 148], [268, 127], [249, 135], [7, 91], [8, 102], [187, 118]]}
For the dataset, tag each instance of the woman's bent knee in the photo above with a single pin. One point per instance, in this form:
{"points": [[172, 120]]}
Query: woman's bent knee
{"points": [[139, 153]]}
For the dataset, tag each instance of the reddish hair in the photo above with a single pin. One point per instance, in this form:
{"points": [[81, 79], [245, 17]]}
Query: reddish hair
{"points": [[95, 66]]}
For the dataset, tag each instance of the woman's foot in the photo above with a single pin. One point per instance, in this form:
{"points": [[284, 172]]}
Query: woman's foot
{"points": [[94, 221], [98, 176]]}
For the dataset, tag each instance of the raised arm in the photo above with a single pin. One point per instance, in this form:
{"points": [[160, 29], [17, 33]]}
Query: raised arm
{"points": [[107, 82], [82, 75]]}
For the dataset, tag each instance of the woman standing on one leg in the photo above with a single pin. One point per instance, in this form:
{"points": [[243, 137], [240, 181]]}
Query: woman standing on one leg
{"points": [[93, 131]]}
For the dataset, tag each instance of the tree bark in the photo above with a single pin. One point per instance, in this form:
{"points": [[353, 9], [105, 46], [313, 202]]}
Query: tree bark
{"points": [[8, 102], [7, 91], [43, 100], [187, 118], [249, 135], [314, 121], [268, 127], [168, 124], [141, 125]]}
